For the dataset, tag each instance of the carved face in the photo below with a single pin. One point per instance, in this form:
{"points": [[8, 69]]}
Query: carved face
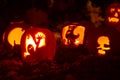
{"points": [[73, 34], [38, 44], [104, 43], [113, 14]]}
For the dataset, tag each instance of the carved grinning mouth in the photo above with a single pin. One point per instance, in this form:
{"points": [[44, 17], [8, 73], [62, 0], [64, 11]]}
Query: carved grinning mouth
{"points": [[113, 19]]}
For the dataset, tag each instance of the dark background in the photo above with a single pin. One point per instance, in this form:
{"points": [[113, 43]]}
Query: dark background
{"points": [[11, 8]]}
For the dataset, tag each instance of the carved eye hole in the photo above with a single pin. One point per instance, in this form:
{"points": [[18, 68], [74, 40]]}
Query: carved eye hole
{"points": [[119, 10], [112, 10]]}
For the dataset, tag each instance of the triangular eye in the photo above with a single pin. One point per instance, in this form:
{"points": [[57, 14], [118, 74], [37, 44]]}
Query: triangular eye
{"points": [[112, 9], [118, 10]]}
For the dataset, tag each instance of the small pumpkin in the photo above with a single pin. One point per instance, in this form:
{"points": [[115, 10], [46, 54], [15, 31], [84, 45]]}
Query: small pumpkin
{"points": [[38, 44], [113, 14]]}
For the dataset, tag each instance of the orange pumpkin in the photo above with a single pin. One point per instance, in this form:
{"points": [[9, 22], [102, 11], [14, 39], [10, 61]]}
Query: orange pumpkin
{"points": [[38, 44], [113, 14], [73, 34], [13, 33]]}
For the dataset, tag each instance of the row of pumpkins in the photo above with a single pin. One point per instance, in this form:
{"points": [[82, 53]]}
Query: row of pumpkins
{"points": [[38, 44]]}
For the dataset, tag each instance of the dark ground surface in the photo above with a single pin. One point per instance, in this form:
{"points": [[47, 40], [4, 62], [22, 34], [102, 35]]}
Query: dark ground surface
{"points": [[67, 65]]}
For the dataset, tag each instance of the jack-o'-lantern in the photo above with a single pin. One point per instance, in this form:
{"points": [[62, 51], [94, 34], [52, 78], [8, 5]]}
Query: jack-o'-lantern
{"points": [[104, 45], [113, 14], [13, 33], [38, 44], [73, 34]]}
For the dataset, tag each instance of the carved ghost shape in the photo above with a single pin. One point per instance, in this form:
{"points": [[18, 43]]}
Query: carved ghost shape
{"points": [[104, 44], [38, 44], [34, 43]]}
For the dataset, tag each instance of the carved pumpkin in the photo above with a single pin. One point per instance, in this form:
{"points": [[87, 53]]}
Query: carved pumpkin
{"points": [[113, 14], [104, 41], [38, 44], [104, 45], [13, 33], [73, 34]]}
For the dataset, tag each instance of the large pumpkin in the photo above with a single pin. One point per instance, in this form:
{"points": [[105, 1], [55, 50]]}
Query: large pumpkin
{"points": [[73, 34], [113, 14], [13, 33], [38, 44]]}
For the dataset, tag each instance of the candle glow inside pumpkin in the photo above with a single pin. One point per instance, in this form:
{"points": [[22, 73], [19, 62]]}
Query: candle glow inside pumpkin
{"points": [[73, 35], [38, 42]]}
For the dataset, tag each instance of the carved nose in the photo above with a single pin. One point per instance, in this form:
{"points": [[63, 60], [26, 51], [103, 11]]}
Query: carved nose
{"points": [[116, 14]]}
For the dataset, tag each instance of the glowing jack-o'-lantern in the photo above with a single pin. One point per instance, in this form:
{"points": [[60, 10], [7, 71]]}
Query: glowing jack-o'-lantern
{"points": [[13, 33], [104, 44], [73, 34], [38, 44], [113, 14]]}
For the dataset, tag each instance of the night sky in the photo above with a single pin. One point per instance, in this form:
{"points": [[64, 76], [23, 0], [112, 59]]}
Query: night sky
{"points": [[12, 9]]}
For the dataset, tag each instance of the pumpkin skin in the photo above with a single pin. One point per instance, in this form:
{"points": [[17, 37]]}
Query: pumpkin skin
{"points": [[13, 33], [113, 14], [38, 44], [73, 34]]}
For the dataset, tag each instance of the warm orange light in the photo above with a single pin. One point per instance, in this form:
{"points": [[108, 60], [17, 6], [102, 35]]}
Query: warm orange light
{"points": [[40, 39], [113, 13], [104, 44], [78, 32], [119, 10], [38, 42], [116, 14], [113, 19], [63, 35], [14, 36], [112, 9], [29, 40]]}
